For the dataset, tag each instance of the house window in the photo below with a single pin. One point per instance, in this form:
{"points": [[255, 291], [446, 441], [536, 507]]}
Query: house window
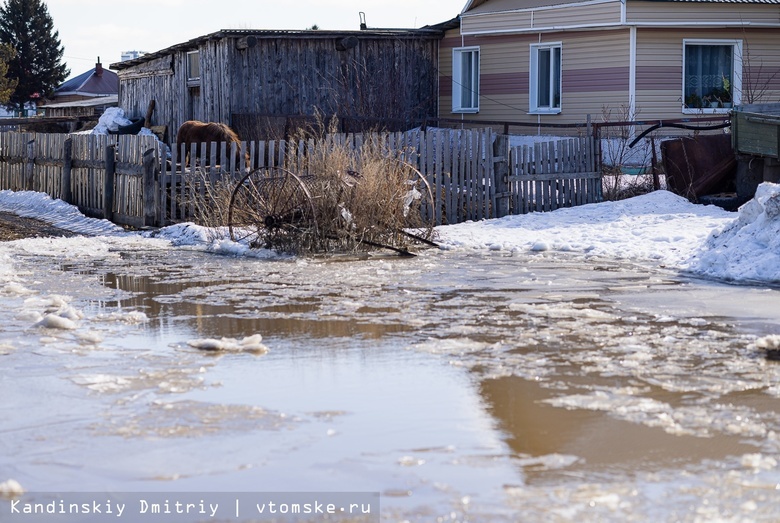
{"points": [[545, 78], [465, 80], [711, 74], [193, 68]]}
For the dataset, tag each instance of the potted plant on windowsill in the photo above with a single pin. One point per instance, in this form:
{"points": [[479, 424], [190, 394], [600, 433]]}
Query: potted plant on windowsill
{"points": [[693, 101], [723, 94]]}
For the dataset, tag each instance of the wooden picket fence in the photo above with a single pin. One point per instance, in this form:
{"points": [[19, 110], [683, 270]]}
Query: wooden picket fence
{"points": [[550, 175], [105, 176], [137, 181]]}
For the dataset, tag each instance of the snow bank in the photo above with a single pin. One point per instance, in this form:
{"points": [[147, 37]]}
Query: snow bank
{"points": [[748, 248], [55, 212], [659, 226]]}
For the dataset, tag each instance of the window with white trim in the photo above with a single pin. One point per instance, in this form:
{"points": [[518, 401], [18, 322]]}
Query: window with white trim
{"points": [[193, 68], [465, 80], [711, 74], [545, 78]]}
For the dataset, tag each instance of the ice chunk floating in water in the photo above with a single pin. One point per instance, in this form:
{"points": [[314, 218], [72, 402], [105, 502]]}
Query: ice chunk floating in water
{"points": [[249, 344]]}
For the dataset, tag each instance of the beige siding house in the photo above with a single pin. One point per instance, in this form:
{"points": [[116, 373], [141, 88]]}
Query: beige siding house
{"points": [[558, 61]]}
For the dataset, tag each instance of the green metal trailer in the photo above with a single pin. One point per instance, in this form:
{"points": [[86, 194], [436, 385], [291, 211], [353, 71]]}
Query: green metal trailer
{"points": [[755, 136]]}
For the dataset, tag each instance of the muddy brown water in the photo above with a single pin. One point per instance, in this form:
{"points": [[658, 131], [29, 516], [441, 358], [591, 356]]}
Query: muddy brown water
{"points": [[460, 386]]}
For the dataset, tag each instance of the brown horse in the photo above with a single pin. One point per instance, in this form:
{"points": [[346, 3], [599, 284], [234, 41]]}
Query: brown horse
{"points": [[195, 132]]}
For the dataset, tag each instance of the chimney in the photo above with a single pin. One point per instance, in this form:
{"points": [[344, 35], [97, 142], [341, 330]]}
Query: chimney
{"points": [[99, 68]]}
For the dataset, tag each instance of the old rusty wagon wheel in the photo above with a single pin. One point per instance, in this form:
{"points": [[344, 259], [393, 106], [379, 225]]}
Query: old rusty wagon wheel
{"points": [[417, 218], [272, 208], [396, 210], [419, 205]]}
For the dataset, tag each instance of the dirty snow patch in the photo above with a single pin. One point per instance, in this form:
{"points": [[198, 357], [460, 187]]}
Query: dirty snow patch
{"points": [[43, 207]]}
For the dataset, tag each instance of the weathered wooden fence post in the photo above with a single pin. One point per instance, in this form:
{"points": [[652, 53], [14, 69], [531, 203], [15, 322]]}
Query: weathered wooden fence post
{"points": [[501, 174], [149, 187], [108, 182], [29, 167], [67, 164]]}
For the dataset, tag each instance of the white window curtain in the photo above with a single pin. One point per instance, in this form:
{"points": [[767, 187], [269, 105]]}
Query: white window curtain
{"points": [[709, 74]]}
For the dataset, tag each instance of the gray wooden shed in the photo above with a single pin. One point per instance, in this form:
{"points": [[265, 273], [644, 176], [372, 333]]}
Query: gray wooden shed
{"points": [[253, 78]]}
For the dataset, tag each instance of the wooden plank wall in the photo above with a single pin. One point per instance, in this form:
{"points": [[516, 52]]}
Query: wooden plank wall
{"points": [[384, 74], [756, 133]]}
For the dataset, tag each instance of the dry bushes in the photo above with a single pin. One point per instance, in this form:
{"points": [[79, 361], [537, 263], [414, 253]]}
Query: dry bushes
{"points": [[209, 202], [331, 195], [367, 195], [618, 159]]}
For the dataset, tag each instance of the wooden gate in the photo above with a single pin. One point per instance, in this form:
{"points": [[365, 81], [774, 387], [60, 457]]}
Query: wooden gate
{"points": [[550, 175]]}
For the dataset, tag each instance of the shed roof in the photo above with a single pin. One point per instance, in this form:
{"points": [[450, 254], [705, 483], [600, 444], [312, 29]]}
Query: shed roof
{"points": [[112, 99], [98, 81], [431, 32]]}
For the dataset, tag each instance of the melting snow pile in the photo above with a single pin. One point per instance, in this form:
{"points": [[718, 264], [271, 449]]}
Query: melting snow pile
{"points": [[659, 226], [748, 248], [55, 212]]}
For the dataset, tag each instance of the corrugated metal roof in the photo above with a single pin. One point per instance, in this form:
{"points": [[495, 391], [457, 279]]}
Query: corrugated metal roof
{"points": [[424, 32]]}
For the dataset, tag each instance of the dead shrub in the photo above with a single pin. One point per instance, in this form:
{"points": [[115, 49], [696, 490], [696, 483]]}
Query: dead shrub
{"points": [[331, 195], [619, 161], [364, 195], [209, 201]]}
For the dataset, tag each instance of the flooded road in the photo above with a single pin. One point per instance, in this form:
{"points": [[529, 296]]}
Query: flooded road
{"points": [[460, 386]]}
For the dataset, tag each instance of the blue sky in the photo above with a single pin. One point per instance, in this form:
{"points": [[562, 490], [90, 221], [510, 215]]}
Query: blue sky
{"points": [[92, 28]]}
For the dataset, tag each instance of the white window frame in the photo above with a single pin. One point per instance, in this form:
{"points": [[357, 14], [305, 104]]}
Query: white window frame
{"points": [[736, 80], [459, 104], [533, 80], [193, 80]]}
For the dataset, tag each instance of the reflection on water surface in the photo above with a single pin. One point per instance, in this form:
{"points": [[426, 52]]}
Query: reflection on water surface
{"points": [[454, 384]]}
